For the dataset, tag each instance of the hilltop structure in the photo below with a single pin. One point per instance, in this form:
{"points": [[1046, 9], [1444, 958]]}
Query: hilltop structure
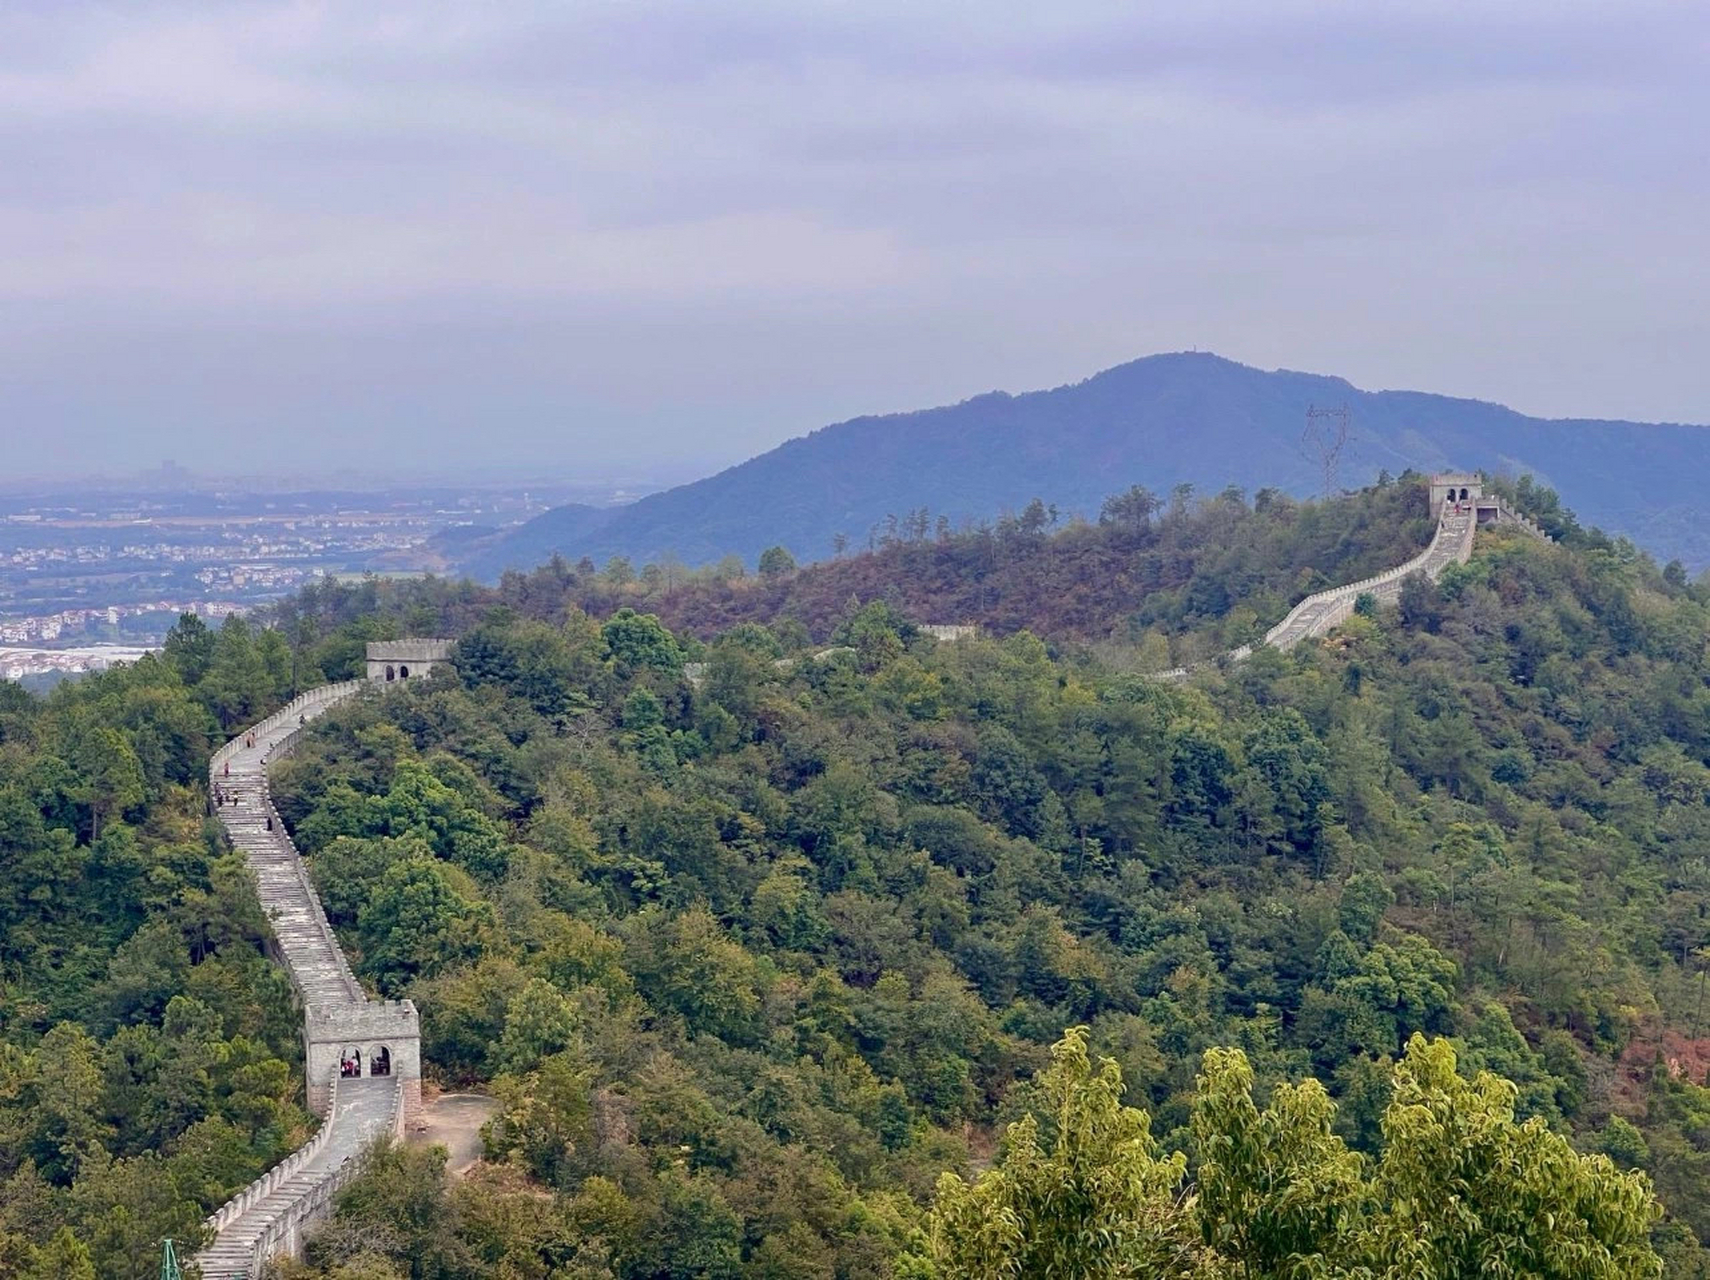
{"points": [[402, 659], [1460, 505], [1454, 487]]}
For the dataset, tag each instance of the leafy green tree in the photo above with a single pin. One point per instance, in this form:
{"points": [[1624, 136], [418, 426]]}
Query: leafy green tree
{"points": [[1365, 899], [544, 1119], [877, 632], [619, 572], [64, 1257], [1081, 1192], [789, 909], [1420, 603], [642, 710], [1466, 1191], [189, 648], [66, 1128], [238, 683], [776, 562], [124, 1208], [1010, 788], [1132, 511], [540, 1021], [1278, 1193], [397, 1210], [1284, 751], [112, 778], [687, 963], [422, 917], [637, 641]]}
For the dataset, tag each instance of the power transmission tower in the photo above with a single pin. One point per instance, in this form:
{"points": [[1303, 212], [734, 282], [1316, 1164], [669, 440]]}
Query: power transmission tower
{"points": [[1326, 436], [169, 1262]]}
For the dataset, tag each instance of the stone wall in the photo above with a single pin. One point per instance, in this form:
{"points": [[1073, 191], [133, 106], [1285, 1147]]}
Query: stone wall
{"points": [[1456, 486], [268, 1217], [1323, 610]]}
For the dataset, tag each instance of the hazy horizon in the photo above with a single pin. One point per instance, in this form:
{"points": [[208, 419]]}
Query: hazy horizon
{"points": [[337, 474], [636, 239]]}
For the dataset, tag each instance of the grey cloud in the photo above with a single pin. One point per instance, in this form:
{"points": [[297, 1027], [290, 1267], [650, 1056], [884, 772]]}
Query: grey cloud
{"points": [[596, 229]]}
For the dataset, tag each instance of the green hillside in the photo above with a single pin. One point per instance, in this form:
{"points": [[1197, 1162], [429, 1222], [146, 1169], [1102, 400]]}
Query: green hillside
{"points": [[829, 918], [752, 960]]}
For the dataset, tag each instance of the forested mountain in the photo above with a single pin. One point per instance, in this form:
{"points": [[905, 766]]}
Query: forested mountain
{"points": [[764, 952], [1186, 418], [1182, 579], [754, 954]]}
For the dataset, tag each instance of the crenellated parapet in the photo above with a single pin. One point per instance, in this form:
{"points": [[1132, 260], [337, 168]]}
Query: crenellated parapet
{"points": [[374, 1040]]}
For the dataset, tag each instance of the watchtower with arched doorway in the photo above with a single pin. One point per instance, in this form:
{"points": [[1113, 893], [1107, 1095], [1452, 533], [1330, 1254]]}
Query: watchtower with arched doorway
{"points": [[392, 660], [1456, 487], [362, 1041]]}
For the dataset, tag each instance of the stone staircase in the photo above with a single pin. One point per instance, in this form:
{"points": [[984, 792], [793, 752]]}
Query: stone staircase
{"points": [[268, 1217]]}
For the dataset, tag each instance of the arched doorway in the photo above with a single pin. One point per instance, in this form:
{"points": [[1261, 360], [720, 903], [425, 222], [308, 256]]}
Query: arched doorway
{"points": [[391, 674], [1463, 495], [403, 673], [350, 1062], [380, 1062]]}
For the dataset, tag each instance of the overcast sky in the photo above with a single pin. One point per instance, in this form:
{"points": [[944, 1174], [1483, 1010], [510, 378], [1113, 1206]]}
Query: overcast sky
{"points": [[622, 236]]}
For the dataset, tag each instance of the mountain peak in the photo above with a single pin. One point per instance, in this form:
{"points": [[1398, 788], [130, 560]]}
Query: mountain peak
{"points": [[1180, 417]]}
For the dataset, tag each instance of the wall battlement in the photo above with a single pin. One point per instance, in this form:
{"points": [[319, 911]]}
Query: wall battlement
{"points": [[369, 1020], [1455, 487]]}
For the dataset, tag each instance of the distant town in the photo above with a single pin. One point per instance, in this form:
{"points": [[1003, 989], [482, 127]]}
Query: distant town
{"points": [[92, 576]]}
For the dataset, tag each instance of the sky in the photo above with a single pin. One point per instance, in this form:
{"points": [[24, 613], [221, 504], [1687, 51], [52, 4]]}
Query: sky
{"points": [[633, 238]]}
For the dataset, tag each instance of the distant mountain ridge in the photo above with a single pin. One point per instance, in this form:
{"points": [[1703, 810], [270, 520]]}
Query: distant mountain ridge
{"points": [[1160, 421]]}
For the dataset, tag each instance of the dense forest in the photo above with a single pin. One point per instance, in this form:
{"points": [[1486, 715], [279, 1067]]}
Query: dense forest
{"points": [[828, 915], [773, 954], [149, 1059]]}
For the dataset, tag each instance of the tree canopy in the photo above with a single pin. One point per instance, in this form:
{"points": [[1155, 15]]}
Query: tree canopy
{"points": [[755, 931]]}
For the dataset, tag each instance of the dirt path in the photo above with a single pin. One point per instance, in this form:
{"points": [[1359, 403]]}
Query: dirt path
{"points": [[454, 1121]]}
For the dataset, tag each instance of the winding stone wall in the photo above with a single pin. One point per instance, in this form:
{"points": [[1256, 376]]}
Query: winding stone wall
{"points": [[1322, 610], [268, 1217]]}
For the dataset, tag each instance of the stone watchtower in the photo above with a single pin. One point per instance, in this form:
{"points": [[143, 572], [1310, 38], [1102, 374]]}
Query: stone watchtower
{"points": [[1451, 486], [403, 659], [378, 1038]]}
